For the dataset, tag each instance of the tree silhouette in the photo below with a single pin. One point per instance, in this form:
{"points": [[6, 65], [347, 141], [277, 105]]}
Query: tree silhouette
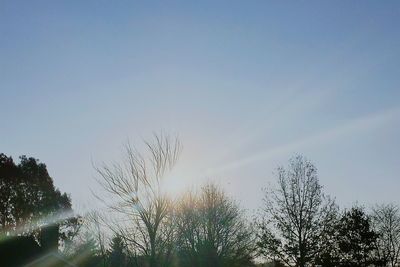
{"points": [[212, 231], [356, 239], [296, 215], [135, 187], [117, 252], [28, 197]]}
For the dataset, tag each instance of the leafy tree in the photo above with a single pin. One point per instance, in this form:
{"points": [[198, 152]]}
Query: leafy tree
{"points": [[9, 176], [212, 231], [296, 215], [29, 199], [356, 239]]}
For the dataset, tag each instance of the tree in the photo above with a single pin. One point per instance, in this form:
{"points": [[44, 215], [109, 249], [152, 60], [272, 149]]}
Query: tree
{"points": [[138, 202], [386, 223], [328, 254], [356, 240], [87, 251], [212, 231], [29, 200], [295, 215], [9, 179], [92, 228], [117, 252]]}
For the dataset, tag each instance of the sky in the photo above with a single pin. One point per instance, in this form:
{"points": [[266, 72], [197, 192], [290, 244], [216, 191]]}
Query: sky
{"points": [[244, 84]]}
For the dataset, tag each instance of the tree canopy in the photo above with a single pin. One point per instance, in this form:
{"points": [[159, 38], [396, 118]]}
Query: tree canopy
{"points": [[27, 195]]}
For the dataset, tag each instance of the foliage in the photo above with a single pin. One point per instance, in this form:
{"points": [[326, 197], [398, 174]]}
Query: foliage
{"points": [[29, 199], [356, 239], [353, 242]]}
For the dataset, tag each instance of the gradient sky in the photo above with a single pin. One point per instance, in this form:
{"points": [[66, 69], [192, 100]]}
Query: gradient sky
{"points": [[245, 84]]}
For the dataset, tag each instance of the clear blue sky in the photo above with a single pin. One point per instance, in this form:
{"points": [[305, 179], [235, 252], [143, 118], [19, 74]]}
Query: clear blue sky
{"points": [[246, 84]]}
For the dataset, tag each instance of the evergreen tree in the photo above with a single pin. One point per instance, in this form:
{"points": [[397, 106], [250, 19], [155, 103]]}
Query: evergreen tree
{"points": [[356, 239], [117, 253]]}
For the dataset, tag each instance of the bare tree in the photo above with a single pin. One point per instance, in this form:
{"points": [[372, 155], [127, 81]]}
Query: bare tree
{"points": [[386, 222], [135, 197], [296, 214], [212, 231]]}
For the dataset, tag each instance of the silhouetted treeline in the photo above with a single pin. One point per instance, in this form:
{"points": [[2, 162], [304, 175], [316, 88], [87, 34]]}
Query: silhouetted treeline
{"points": [[301, 226], [141, 225]]}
